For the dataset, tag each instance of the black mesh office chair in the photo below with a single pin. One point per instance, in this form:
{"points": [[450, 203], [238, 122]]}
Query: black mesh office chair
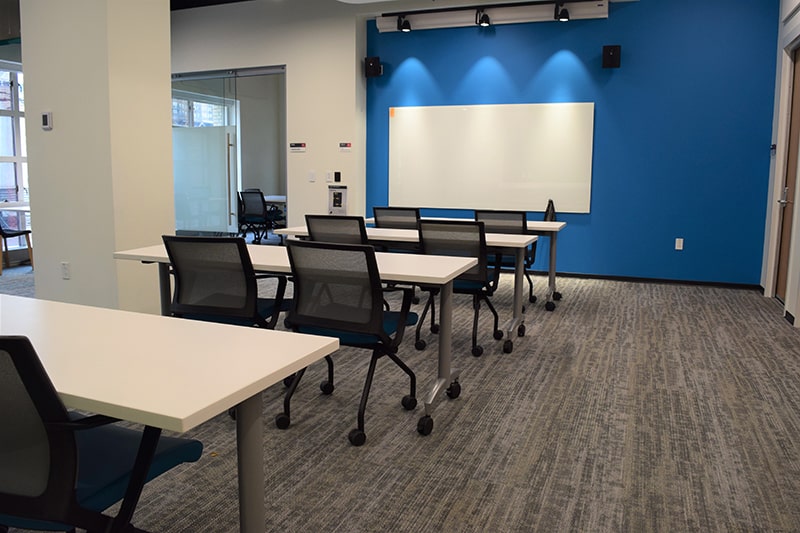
{"points": [[513, 222], [337, 228], [61, 470], [397, 218], [215, 281], [464, 239], [9, 233], [337, 292], [254, 216]]}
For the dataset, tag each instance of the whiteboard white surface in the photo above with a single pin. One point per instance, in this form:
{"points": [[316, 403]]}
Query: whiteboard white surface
{"points": [[509, 156]]}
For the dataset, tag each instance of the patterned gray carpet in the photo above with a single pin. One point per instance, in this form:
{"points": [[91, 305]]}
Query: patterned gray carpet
{"points": [[632, 407]]}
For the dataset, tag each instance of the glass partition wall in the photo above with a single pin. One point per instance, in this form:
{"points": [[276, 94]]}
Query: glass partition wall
{"points": [[228, 132]]}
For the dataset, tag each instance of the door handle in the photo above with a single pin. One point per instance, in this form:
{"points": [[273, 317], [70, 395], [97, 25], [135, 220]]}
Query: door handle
{"points": [[784, 197]]}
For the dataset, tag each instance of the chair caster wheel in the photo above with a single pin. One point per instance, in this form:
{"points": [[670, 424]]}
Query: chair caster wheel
{"points": [[409, 402], [550, 306], [454, 390], [521, 330], [287, 381], [508, 346], [532, 299], [425, 425], [556, 295], [282, 421], [415, 300], [420, 345], [477, 351], [357, 437], [498, 334], [434, 328], [326, 387]]}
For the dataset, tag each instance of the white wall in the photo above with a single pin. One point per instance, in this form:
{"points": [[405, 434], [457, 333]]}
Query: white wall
{"points": [[101, 180], [322, 45], [262, 123]]}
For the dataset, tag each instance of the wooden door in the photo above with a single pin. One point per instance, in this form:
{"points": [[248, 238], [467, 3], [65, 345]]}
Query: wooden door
{"points": [[786, 202]]}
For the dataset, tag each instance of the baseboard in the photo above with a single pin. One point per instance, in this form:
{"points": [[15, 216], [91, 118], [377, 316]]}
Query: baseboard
{"points": [[745, 286]]}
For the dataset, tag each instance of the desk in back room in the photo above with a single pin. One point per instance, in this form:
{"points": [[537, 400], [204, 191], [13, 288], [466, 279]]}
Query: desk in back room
{"points": [[399, 268], [166, 373], [501, 240]]}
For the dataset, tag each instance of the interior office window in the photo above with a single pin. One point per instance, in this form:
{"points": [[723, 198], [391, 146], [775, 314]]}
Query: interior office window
{"points": [[13, 148]]}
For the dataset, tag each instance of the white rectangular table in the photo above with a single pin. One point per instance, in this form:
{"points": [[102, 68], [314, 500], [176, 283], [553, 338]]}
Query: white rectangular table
{"points": [[501, 240], [543, 228], [398, 268], [164, 372]]}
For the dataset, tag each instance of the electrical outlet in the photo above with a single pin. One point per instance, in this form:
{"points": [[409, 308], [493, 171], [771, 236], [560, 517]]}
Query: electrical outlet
{"points": [[65, 273], [679, 243]]}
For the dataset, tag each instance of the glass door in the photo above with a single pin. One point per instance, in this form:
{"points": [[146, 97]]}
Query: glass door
{"points": [[229, 134], [206, 153]]}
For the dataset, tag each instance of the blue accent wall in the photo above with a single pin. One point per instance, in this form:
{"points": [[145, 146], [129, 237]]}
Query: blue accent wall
{"points": [[682, 129]]}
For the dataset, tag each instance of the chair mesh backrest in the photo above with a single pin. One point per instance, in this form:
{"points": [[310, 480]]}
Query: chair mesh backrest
{"points": [[396, 217], [336, 228], [459, 238], [336, 286], [502, 221], [28, 401], [213, 275], [254, 205]]}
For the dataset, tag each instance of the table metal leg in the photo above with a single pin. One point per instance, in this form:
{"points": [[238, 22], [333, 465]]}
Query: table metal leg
{"points": [[164, 289], [249, 436], [446, 375], [552, 292], [516, 324]]}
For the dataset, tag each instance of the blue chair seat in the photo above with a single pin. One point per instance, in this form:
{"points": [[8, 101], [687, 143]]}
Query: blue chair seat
{"points": [[265, 306], [390, 320]]}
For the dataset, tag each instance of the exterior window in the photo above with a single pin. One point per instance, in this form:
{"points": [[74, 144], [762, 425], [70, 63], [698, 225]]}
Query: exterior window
{"points": [[13, 148], [191, 110]]}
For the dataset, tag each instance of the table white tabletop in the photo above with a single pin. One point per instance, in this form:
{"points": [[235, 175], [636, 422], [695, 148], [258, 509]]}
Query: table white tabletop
{"points": [[405, 268], [500, 240], [154, 370]]}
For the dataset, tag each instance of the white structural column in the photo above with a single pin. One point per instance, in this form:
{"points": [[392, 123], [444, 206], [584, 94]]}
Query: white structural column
{"points": [[101, 179]]}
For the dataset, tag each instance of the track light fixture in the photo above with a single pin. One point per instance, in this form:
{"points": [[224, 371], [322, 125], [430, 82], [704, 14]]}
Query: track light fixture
{"points": [[510, 12], [482, 19], [403, 25], [561, 13]]}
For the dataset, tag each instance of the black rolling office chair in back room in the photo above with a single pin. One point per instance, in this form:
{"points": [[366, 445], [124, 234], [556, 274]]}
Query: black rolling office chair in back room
{"points": [[463, 239], [60, 470], [254, 215], [344, 299]]}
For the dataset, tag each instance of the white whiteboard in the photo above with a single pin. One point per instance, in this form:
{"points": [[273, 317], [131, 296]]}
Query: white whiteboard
{"points": [[510, 156]]}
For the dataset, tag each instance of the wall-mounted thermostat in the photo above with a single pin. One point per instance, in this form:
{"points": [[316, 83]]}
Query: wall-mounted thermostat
{"points": [[47, 120]]}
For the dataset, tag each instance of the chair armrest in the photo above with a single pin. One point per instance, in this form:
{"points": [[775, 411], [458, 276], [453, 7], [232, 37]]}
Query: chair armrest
{"points": [[405, 307]]}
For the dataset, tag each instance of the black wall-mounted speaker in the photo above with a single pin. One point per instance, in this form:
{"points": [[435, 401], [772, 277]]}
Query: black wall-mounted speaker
{"points": [[373, 67], [612, 54]]}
